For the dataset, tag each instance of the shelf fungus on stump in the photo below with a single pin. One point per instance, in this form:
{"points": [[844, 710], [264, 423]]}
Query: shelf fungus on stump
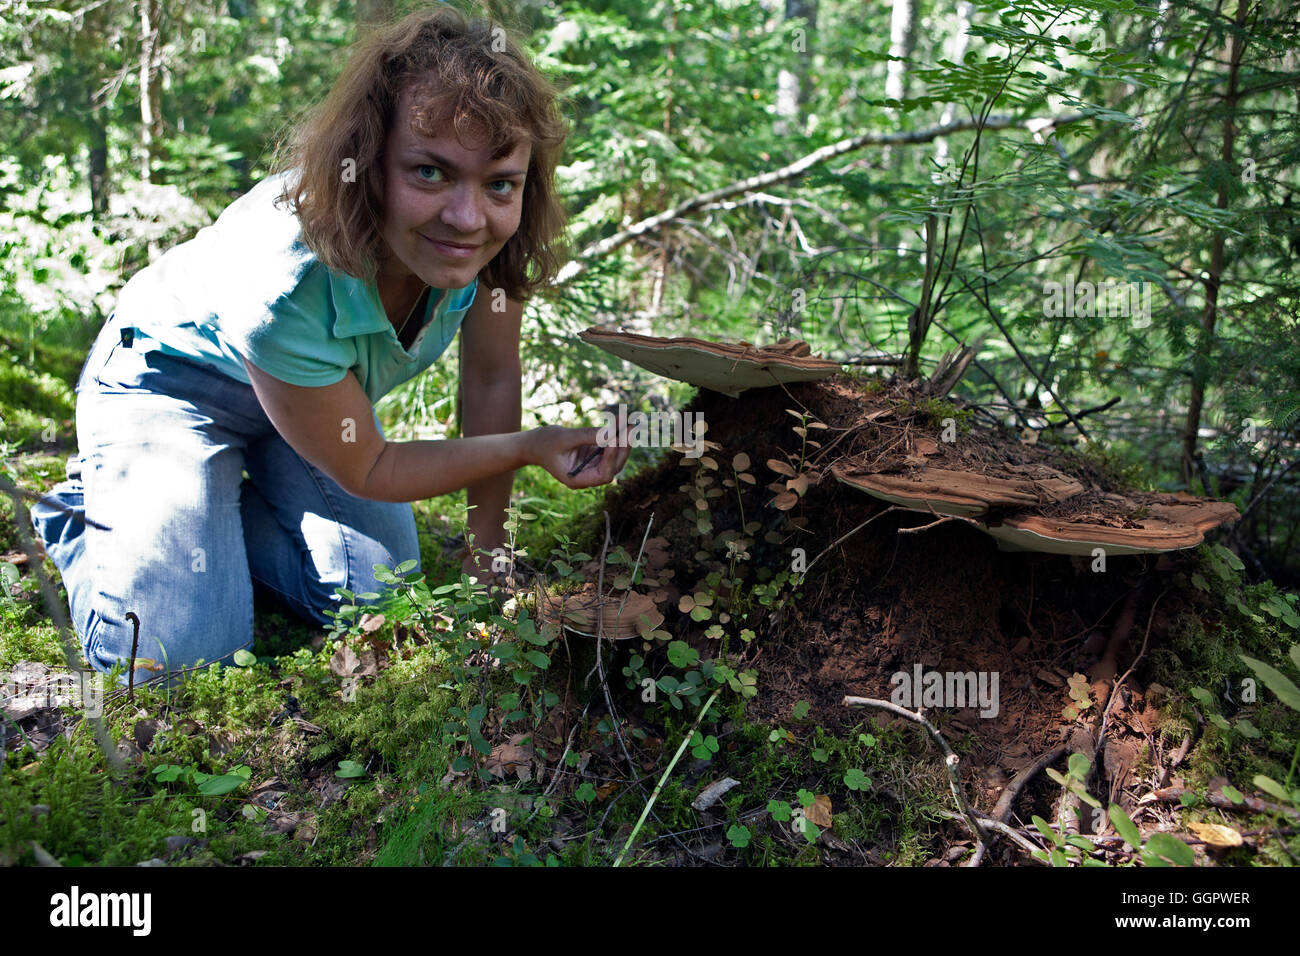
{"points": [[1155, 523], [1037, 508], [627, 613], [963, 493], [726, 367]]}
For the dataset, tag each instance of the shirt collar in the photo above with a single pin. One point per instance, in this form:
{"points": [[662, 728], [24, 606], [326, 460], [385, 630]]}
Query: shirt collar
{"points": [[357, 308]]}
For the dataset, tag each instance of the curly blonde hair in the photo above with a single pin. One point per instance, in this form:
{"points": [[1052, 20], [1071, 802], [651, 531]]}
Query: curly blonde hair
{"points": [[470, 70]]}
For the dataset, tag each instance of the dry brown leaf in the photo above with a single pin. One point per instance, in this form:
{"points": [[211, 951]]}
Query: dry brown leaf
{"points": [[926, 445], [780, 467], [820, 812], [798, 484], [785, 500], [1216, 834], [347, 663], [740, 462], [512, 757]]}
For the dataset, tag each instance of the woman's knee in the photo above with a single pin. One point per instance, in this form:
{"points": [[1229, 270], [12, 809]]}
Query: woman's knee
{"points": [[388, 539]]}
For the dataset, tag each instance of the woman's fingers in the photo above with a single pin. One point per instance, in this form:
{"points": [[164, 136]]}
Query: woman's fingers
{"points": [[597, 460]]}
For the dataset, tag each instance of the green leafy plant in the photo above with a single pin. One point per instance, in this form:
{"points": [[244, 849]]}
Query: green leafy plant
{"points": [[204, 784]]}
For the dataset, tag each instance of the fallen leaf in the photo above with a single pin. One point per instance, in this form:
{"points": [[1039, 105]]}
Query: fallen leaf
{"points": [[820, 812], [307, 727], [1216, 834], [511, 757], [713, 793], [347, 663]]}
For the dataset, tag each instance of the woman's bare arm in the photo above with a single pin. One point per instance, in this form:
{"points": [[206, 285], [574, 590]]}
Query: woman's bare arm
{"points": [[332, 426]]}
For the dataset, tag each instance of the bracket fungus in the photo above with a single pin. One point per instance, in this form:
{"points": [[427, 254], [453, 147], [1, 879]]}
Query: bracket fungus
{"points": [[1167, 523], [626, 615], [724, 367]]}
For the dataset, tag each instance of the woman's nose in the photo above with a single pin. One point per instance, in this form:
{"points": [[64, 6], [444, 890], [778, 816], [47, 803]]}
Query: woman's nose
{"points": [[464, 210]]}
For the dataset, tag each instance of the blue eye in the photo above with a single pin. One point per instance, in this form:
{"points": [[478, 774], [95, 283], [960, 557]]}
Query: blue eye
{"points": [[510, 187], [420, 170]]}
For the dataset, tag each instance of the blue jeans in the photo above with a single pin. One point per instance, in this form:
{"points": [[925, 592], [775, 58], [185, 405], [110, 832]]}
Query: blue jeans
{"points": [[165, 444]]}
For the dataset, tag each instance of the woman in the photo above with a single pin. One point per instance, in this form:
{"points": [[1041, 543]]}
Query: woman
{"points": [[224, 415]]}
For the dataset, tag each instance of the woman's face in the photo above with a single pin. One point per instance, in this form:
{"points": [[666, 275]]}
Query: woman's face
{"points": [[449, 207]]}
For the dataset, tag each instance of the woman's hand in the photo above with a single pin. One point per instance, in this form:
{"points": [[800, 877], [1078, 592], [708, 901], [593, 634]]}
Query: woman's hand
{"points": [[573, 456]]}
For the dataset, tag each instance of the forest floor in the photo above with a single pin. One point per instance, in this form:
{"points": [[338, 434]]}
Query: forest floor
{"points": [[450, 724]]}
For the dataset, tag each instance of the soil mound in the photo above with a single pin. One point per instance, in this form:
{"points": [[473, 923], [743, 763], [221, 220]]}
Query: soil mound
{"points": [[831, 592]]}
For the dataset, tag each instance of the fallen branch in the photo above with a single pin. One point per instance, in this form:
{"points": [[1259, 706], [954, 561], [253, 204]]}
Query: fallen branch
{"points": [[1004, 828], [1002, 809], [1248, 804], [950, 759]]}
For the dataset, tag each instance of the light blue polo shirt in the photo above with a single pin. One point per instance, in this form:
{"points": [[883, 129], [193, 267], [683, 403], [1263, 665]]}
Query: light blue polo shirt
{"points": [[248, 287]]}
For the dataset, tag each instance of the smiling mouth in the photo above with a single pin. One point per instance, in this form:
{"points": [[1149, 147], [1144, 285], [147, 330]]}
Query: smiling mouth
{"points": [[453, 249]]}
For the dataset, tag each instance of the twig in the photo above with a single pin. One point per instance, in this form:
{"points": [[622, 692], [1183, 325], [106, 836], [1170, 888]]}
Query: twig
{"points": [[61, 625], [1002, 809], [950, 759], [1114, 692], [849, 535], [1004, 828], [1088, 411], [555, 774], [135, 646], [1024, 359], [1248, 803], [586, 461], [600, 657], [664, 779], [1254, 502], [581, 262], [11, 489], [925, 527]]}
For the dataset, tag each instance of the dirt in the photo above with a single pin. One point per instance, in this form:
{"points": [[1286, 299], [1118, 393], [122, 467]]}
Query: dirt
{"points": [[885, 601]]}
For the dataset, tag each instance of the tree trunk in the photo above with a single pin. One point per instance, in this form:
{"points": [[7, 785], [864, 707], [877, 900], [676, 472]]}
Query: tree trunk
{"points": [[957, 45], [791, 84], [149, 88], [902, 39], [1209, 316], [98, 162]]}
